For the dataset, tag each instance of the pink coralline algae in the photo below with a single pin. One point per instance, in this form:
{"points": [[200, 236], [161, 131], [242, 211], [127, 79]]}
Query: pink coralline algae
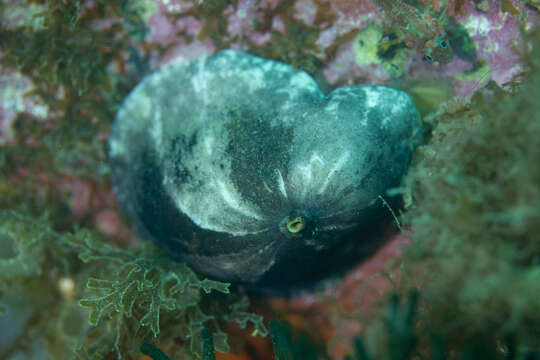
{"points": [[497, 37], [172, 33], [13, 101], [493, 33], [344, 68], [241, 18], [338, 28]]}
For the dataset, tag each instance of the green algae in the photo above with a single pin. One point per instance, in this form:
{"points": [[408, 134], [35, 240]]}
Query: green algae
{"points": [[475, 243], [128, 296], [368, 48], [399, 338]]}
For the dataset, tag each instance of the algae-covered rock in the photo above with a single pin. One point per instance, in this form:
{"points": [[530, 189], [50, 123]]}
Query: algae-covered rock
{"points": [[241, 167]]}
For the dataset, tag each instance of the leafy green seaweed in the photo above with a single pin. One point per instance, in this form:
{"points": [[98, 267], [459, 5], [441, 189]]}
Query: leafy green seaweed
{"points": [[289, 347], [238, 313], [281, 340], [401, 335], [209, 352], [131, 295], [146, 287], [140, 281], [285, 347], [153, 352]]}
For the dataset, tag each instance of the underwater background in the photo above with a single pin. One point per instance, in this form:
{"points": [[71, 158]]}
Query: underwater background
{"points": [[457, 274]]}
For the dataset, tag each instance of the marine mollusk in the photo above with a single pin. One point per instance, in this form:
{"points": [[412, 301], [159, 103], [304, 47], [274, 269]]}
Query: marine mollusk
{"points": [[241, 167]]}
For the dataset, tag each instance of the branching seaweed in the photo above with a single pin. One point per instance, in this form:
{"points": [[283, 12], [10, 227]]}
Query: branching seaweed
{"points": [[131, 295], [239, 313], [146, 286]]}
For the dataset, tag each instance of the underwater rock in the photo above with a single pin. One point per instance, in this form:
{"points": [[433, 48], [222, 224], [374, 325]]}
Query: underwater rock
{"points": [[241, 167]]}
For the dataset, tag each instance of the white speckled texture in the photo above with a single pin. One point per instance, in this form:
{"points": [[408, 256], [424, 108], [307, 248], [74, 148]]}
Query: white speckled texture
{"points": [[209, 158]]}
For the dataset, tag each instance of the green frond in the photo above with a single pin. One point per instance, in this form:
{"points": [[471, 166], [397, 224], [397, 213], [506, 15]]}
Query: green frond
{"points": [[239, 314]]}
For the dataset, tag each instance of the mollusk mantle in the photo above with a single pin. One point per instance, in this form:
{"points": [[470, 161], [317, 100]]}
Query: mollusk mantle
{"points": [[241, 167]]}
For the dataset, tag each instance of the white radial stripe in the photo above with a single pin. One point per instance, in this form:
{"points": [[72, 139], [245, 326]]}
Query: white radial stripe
{"points": [[267, 187], [339, 227], [232, 199], [338, 213], [281, 184], [234, 230], [372, 97], [339, 164], [209, 144], [156, 130], [306, 171]]}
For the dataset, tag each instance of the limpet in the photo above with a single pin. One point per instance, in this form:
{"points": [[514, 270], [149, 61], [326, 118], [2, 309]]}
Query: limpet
{"points": [[244, 169]]}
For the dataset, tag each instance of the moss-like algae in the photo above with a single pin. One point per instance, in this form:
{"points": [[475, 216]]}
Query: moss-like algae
{"points": [[475, 241], [473, 216]]}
